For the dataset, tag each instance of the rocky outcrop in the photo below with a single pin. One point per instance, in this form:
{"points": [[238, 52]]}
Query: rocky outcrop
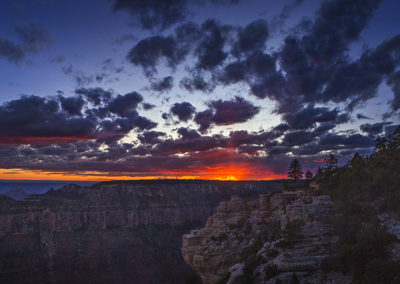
{"points": [[109, 232], [279, 238]]}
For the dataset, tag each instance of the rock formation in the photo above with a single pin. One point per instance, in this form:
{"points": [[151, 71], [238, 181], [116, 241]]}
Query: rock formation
{"points": [[279, 238], [119, 232]]}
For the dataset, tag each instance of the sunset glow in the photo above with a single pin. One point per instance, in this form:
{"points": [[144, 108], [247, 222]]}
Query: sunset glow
{"points": [[218, 173]]}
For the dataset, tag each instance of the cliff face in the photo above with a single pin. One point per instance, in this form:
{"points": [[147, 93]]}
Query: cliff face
{"points": [[279, 238], [108, 232]]}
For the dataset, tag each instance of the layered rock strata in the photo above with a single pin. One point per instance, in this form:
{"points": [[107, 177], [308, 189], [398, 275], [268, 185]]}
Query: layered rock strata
{"points": [[113, 232], [279, 238]]}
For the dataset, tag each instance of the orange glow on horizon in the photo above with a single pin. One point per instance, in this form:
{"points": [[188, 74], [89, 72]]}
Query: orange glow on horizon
{"points": [[240, 172]]}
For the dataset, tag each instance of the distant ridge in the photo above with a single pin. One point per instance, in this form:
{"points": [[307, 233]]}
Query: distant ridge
{"points": [[17, 194]]}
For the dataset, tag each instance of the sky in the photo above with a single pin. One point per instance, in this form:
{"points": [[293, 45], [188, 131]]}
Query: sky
{"points": [[210, 89]]}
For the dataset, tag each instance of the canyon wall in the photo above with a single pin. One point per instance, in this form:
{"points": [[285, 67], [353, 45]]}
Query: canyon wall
{"points": [[279, 238], [119, 232]]}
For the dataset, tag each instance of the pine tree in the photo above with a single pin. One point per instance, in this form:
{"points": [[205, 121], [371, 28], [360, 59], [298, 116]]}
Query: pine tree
{"points": [[309, 175], [295, 171], [331, 162]]}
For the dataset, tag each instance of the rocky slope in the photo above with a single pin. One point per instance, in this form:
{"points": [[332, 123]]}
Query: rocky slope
{"points": [[109, 232], [279, 238]]}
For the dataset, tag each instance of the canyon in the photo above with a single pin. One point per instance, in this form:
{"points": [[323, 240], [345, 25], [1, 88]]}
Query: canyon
{"points": [[119, 232]]}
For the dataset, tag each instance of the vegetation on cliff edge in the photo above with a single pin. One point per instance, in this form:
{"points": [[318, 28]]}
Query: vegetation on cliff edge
{"points": [[363, 189]]}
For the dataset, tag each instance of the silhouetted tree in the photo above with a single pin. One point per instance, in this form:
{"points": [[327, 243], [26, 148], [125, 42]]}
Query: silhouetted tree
{"points": [[309, 175], [389, 143], [331, 162], [357, 161], [295, 171]]}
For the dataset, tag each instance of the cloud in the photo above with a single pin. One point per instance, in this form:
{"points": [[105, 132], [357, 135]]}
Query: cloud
{"points": [[92, 114], [32, 39], [72, 105], [312, 66], [374, 129], [210, 51], [11, 51], [124, 105], [206, 43], [184, 111], [149, 51], [252, 37], [278, 21], [308, 116], [147, 106], [188, 134], [96, 96], [151, 137], [354, 141], [164, 84], [197, 83], [161, 14], [225, 113], [33, 116], [362, 116]]}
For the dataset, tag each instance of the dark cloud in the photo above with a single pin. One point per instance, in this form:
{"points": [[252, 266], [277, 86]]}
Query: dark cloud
{"points": [[151, 137], [354, 141], [362, 116], [360, 79], [225, 113], [308, 116], [234, 111], [161, 14], [162, 85], [110, 67], [11, 51], [188, 134], [311, 67], [32, 39], [197, 83], [154, 13], [314, 61], [96, 96], [80, 78], [92, 114], [252, 37], [72, 105], [374, 129], [297, 138], [278, 21], [204, 120], [206, 43], [184, 111], [149, 51], [33, 116], [123, 105], [210, 51], [147, 106]]}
